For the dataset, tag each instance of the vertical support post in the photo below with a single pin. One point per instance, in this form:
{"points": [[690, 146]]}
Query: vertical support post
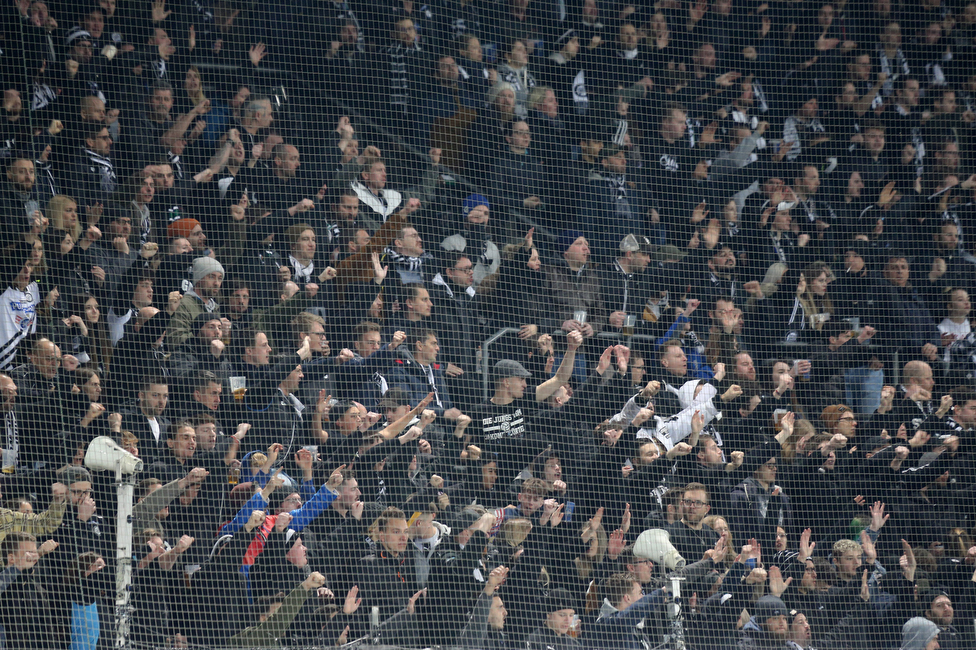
{"points": [[125, 488]]}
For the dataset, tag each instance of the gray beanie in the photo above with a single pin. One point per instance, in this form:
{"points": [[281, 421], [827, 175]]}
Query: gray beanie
{"points": [[204, 266], [917, 632], [767, 607]]}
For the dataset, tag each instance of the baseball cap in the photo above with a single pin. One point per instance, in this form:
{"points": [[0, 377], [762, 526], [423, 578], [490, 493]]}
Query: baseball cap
{"points": [[632, 243]]}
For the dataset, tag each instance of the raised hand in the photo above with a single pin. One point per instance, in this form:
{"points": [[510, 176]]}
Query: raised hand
{"points": [[719, 371], [159, 13], [59, 492], [398, 338], [335, 478], [616, 544], [256, 519], [806, 546], [282, 521], [945, 405], [623, 357], [352, 601], [313, 581], [878, 516], [776, 583], [412, 601], [273, 484], [256, 53], [305, 351], [868, 549], [733, 391], [651, 389], [495, 579], [304, 460], [379, 270], [787, 423], [721, 547], [557, 515], [573, 341], [907, 561]]}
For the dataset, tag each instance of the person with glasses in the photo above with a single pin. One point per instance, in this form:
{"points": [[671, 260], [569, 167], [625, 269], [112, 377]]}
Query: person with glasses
{"points": [[758, 505], [93, 177], [473, 238], [82, 530], [320, 368], [840, 419], [689, 535], [457, 321]]}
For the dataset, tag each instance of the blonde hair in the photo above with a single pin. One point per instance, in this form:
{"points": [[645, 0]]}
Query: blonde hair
{"points": [[537, 95], [514, 531], [842, 546], [55, 212], [199, 96]]}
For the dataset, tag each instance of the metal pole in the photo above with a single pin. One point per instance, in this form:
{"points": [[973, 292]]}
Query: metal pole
{"points": [[675, 616], [486, 359], [125, 487]]}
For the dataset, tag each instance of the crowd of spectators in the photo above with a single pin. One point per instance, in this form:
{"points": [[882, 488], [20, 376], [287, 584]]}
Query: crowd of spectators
{"points": [[265, 248]]}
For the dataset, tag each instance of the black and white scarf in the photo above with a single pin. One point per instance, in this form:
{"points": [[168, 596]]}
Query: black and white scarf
{"points": [[105, 169]]}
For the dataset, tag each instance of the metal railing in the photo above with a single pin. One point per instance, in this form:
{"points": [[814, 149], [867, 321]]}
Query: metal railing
{"points": [[491, 340]]}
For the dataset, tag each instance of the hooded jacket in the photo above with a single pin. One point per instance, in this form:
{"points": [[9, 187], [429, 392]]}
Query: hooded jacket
{"points": [[669, 431], [917, 632]]}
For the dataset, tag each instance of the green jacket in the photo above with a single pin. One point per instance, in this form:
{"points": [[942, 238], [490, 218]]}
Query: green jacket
{"points": [[266, 635]]}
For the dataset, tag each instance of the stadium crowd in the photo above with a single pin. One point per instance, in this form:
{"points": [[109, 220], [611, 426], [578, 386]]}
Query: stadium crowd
{"points": [[728, 247]]}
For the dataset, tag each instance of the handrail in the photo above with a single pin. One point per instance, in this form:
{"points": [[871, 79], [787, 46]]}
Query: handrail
{"points": [[486, 357]]}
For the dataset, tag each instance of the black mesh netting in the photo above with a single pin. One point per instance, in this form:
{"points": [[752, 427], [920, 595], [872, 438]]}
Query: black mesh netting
{"points": [[490, 324]]}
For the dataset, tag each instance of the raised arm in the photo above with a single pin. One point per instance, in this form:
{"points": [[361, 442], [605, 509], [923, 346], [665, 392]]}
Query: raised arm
{"points": [[44, 523], [394, 428], [545, 390]]}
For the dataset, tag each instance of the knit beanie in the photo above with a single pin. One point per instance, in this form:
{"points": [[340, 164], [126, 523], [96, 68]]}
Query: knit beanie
{"points": [[182, 227], [768, 607], [471, 201], [204, 266]]}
